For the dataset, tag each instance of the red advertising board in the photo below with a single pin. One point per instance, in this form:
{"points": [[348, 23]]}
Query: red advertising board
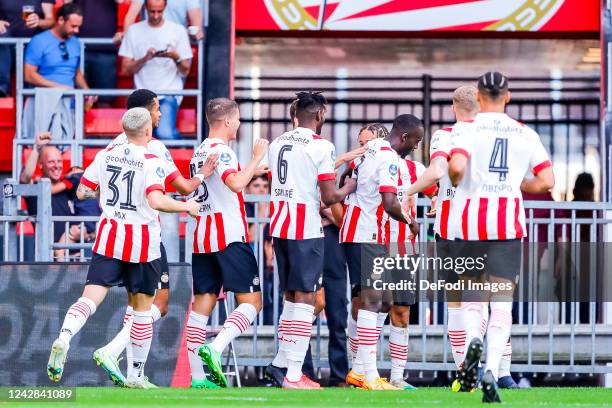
{"points": [[419, 15]]}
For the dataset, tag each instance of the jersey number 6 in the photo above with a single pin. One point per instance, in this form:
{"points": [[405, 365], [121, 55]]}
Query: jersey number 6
{"points": [[282, 164]]}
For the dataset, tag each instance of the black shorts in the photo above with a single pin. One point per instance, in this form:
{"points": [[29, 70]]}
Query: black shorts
{"points": [[500, 258], [300, 263], [136, 277], [360, 261], [444, 252], [234, 269], [165, 272]]}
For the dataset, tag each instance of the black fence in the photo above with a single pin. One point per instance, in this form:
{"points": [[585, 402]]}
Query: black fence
{"points": [[564, 111]]}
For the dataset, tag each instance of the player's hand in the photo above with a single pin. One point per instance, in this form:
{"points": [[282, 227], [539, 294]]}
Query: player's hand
{"points": [[33, 21], [42, 139], [353, 154], [260, 149], [210, 165], [432, 211], [193, 207], [3, 26], [350, 184], [262, 170], [414, 228], [408, 203]]}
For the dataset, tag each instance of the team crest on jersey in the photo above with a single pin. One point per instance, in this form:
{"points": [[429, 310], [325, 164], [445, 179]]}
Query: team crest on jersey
{"points": [[225, 157], [168, 156], [393, 170], [160, 172], [165, 277]]}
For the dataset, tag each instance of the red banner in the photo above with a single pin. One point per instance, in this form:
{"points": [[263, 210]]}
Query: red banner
{"points": [[419, 15]]}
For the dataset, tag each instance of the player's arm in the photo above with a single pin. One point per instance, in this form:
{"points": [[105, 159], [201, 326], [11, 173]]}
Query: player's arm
{"points": [[436, 170], [543, 182], [238, 180], [350, 156], [187, 186], [347, 173], [159, 201], [456, 167], [85, 192], [337, 212], [330, 195]]}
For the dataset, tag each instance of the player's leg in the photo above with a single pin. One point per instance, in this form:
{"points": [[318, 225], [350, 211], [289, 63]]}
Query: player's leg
{"points": [[505, 377], [276, 370], [398, 345], [142, 281], [207, 281], [103, 273], [503, 265], [241, 276], [304, 279], [308, 367], [107, 356]]}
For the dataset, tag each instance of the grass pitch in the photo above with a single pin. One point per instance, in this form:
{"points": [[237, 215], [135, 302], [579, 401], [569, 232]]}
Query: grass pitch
{"points": [[330, 397]]}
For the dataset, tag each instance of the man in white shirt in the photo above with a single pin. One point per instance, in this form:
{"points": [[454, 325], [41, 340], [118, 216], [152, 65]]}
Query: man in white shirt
{"points": [[157, 52]]}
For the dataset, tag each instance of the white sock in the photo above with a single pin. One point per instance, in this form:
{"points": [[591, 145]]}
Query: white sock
{"points": [[301, 330], [141, 336], [195, 333], [116, 346], [235, 324], [76, 317], [398, 347], [498, 334], [368, 339], [506, 360], [456, 334], [284, 333], [352, 338], [155, 313], [472, 318], [485, 319]]}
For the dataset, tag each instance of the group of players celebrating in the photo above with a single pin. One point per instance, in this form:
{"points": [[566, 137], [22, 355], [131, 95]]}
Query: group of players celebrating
{"points": [[476, 173]]}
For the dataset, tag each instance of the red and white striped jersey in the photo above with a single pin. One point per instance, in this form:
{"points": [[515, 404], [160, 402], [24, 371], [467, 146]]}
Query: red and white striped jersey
{"points": [[222, 218], [397, 233], [129, 228], [376, 173], [298, 160], [441, 147], [156, 147], [488, 204]]}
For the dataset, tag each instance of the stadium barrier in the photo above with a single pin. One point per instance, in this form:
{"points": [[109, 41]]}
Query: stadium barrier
{"points": [[79, 141], [550, 335]]}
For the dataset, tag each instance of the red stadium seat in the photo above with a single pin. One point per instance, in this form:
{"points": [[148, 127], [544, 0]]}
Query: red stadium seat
{"points": [[7, 133]]}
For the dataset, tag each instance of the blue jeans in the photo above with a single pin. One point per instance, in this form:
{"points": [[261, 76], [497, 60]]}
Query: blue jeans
{"points": [[167, 124]]}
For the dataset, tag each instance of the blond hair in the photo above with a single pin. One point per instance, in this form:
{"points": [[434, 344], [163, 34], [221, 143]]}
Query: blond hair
{"points": [[465, 100]]}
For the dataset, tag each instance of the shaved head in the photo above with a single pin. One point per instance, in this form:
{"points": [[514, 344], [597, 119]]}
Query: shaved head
{"points": [[51, 163]]}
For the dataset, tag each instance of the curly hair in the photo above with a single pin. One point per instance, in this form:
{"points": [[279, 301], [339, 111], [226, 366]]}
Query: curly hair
{"points": [[379, 130]]}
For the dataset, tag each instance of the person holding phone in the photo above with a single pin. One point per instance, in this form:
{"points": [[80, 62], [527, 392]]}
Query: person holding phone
{"points": [[158, 54]]}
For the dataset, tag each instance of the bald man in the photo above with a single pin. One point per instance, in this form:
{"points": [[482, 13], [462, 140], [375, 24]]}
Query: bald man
{"points": [[52, 167]]}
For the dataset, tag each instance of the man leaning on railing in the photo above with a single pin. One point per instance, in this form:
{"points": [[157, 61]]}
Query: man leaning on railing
{"points": [[63, 191]]}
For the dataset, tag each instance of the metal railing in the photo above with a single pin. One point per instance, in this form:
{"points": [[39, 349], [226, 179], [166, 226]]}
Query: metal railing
{"points": [[550, 335], [79, 141], [564, 111]]}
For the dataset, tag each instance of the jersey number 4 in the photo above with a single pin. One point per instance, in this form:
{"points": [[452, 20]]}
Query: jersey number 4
{"points": [[499, 158], [128, 179], [282, 165]]}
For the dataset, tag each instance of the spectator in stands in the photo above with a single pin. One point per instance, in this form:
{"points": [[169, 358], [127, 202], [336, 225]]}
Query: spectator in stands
{"points": [[260, 185], [158, 54], [51, 164], [100, 21], [177, 11], [12, 24], [52, 61]]}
